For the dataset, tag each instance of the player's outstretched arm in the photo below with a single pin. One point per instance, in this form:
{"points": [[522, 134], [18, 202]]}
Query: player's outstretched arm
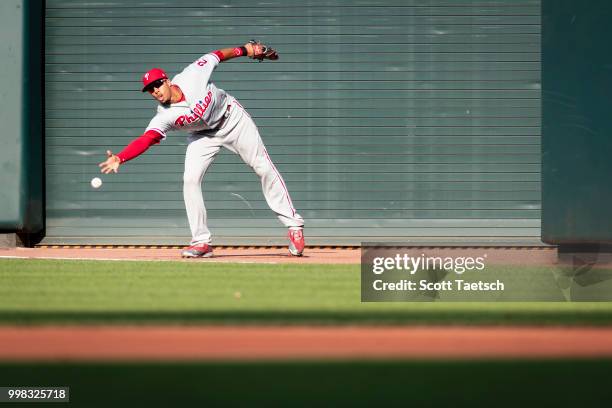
{"points": [[252, 49], [137, 147], [225, 54]]}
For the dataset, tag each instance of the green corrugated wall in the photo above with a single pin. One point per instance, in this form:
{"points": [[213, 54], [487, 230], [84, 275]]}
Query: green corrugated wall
{"points": [[398, 120]]}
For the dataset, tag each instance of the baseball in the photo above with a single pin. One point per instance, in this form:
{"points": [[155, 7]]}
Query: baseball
{"points": [[96, 182]]}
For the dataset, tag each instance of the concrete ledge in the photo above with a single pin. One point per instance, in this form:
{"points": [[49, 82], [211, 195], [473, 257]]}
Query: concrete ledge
{"points": [[9, 240]]}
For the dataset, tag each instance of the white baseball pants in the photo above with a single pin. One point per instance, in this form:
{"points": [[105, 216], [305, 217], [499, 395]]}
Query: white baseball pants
{"points": [[239, 134]]}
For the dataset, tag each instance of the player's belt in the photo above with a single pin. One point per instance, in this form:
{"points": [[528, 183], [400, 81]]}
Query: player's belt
{"points": [[224, 117]]}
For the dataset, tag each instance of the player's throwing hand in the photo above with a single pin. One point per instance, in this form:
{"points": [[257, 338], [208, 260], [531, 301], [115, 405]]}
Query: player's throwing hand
{"points": [[112, 163]]}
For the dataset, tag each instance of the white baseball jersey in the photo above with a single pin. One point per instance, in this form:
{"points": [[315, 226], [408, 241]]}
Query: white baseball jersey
{"points": [[203, 109], [204, 105]]}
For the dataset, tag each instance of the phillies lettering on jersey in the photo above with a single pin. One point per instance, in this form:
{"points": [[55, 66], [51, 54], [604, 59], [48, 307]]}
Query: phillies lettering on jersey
{"points": [[198, 112], [204, 103]]}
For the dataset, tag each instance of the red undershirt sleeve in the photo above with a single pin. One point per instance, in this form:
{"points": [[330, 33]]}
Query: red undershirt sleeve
{"points": [[219, 55], [140, 145], [236, 52]]}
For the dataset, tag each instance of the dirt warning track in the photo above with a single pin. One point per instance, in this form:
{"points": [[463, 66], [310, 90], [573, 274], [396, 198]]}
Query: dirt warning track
{"points": [[316, 255], [81, 343]]}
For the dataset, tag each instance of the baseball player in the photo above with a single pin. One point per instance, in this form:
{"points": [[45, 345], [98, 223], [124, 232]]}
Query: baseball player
{"points": [[214, 119]]}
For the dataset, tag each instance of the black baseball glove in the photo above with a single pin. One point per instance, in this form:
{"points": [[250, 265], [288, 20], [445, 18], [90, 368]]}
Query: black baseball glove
{"points": [[262, 51]]}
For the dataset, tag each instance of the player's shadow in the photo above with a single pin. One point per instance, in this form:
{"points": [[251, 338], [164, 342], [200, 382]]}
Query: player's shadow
{"points": [[585, 275]]}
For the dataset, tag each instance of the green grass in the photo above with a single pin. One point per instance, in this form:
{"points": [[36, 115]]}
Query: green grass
{"points": [[569, 383], [54, 291]]}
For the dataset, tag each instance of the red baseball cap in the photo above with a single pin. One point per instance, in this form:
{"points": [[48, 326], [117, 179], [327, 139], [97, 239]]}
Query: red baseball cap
{"points": [[151, 76]]}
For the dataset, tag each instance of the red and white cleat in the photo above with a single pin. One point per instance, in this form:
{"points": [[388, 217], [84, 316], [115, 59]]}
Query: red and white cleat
{"points": [[198, 251], [296, 242]]}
